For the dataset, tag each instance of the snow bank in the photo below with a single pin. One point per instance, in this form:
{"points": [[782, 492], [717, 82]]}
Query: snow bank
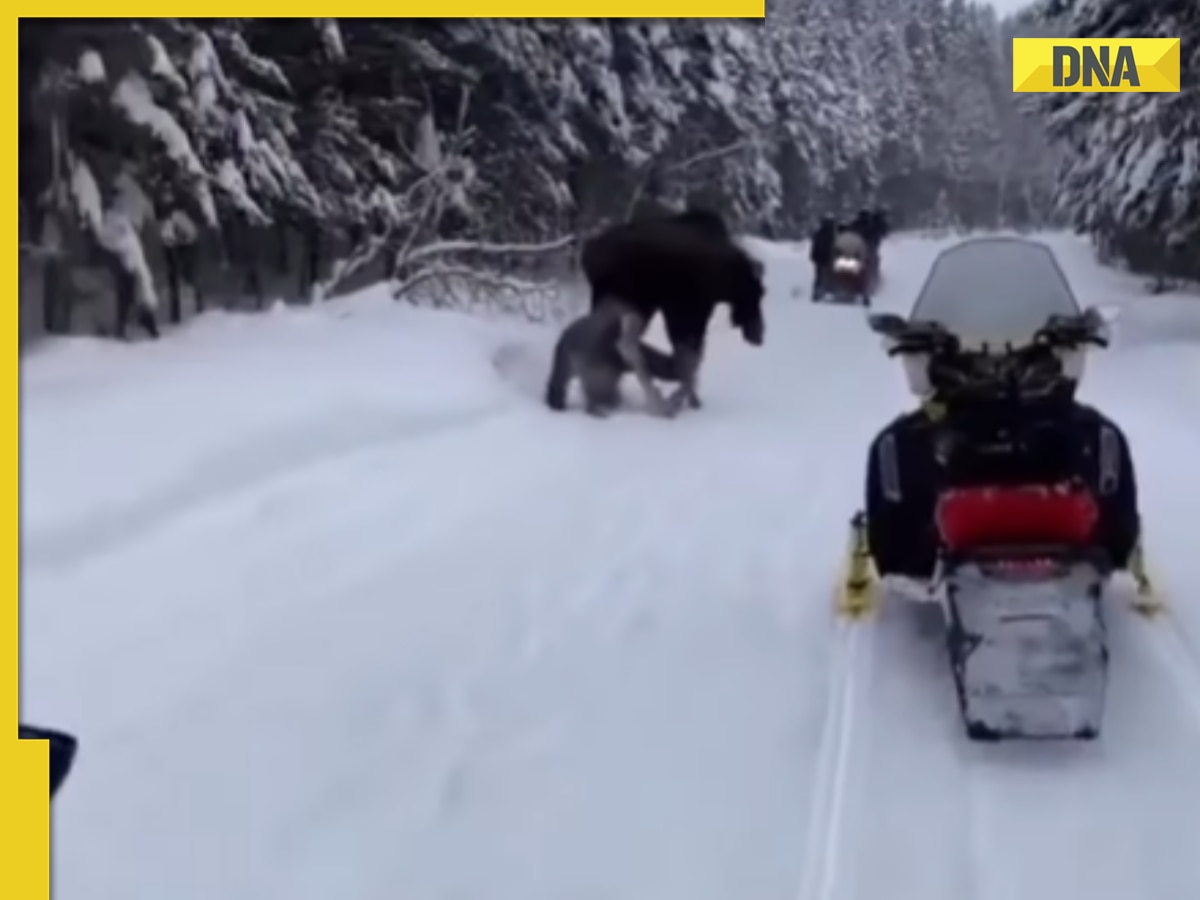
{"points": [[150, 410]]}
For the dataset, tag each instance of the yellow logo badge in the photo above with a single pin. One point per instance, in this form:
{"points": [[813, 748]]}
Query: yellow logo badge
{"points": [[1110, 66]]}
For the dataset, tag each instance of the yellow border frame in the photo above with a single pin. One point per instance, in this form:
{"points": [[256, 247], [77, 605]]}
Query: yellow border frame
{"points": [[24, 765]]}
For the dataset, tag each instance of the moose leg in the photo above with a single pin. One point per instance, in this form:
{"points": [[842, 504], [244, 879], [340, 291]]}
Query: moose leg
{"points": [[687, 336], [687, 366], [629, 345], [689, 369]]}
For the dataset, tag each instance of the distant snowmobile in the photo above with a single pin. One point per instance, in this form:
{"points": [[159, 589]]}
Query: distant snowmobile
{"points": [[848, 280], [1010, 502]]}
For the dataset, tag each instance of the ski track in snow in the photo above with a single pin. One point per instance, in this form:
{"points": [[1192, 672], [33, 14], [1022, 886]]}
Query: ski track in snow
{"points": [[338, 610], [241, 466], [842, 738]]}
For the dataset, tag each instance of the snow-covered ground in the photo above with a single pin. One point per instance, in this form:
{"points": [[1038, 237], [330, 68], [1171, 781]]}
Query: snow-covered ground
{"points": [[339, 609]]}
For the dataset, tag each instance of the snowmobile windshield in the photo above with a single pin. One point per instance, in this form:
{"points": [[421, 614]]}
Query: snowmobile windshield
{"points": [[995, 290]]}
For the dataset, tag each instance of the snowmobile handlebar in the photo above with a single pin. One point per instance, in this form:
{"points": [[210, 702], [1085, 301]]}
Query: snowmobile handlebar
{"points": [[1073, 332], [933, 339], [1025, 370], [1031, 369]]}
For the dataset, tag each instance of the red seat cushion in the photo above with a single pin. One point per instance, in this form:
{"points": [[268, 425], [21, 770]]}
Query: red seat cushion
{"points": [[1059, 515]]}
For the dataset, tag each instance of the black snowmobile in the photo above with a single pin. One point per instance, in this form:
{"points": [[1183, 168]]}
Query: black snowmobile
{"points": [[848, 279], [1008, 502]]}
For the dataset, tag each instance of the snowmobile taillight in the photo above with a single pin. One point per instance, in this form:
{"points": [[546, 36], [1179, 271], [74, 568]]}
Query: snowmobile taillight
{"points": [[1025, 566], [1038, 515]]}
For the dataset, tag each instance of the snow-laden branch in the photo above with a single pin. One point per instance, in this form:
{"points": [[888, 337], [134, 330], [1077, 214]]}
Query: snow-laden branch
{"points": [[444, 174], [462, 287], [348, 265], [443, 248], [39, 252], [366, 254], [479, 277], [474, 279], [710, 155]]}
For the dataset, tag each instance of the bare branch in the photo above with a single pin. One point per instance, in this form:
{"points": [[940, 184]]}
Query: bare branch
{"points": [[484, 278], [428, 211], [709, 155], [364, 255], [464, 107], [39, 251], [442, 248], [347, 266]]}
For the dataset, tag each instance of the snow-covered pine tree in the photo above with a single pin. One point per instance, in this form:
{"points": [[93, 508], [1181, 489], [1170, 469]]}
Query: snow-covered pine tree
{"points": [[1131, 162], [214, 159]]}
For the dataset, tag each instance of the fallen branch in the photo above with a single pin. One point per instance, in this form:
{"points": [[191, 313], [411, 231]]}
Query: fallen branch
{"points": [[480, 277], [424, 201], [465, 287], [442, 248], [39, 252], [347, 266], [709, 155], [365, 254]]}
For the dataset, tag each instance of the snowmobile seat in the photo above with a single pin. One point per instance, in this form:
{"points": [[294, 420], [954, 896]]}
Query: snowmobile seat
{"points": [[978, 518]]}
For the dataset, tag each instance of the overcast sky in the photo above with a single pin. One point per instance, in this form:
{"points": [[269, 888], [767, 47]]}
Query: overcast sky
{"points": [[1007, 7]]}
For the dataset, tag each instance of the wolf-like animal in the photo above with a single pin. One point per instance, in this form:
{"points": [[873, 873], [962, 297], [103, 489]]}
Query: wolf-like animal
{"points": [[683, 266], [588, 350]]}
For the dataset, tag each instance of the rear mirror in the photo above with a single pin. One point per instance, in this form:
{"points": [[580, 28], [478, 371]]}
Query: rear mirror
{"points": [[62, 752], [889, 325], [1101, 319]]}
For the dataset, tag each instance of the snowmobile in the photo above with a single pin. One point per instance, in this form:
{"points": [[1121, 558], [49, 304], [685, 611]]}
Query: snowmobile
{"points": [[850, 276], [62, 752], [848, 281], [1006, 502]]}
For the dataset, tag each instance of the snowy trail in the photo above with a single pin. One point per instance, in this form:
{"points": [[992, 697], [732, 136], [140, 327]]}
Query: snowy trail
{"points": [[339, 612], [587, 657], [862, 840]]}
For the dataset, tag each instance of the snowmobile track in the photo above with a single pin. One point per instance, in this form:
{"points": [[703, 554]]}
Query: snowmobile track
{"points": [[1180, 659], [843, 736], [229, 471]]}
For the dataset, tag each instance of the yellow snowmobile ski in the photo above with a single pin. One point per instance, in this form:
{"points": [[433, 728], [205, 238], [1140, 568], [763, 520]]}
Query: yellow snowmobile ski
{"points": [[858, 592], [1146, 600]]}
